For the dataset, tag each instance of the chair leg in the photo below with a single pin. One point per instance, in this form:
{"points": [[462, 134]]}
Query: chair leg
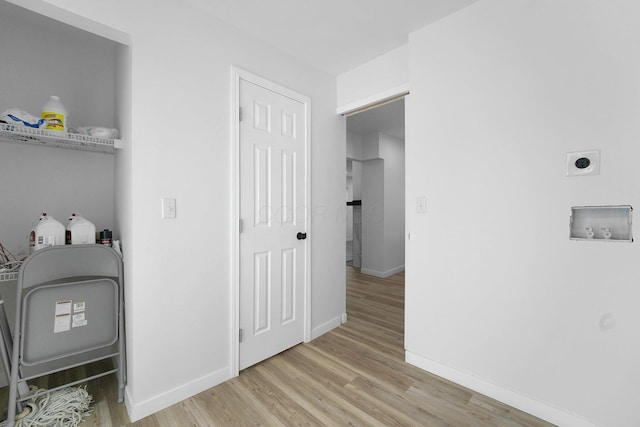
{"points": [[12, 406]]}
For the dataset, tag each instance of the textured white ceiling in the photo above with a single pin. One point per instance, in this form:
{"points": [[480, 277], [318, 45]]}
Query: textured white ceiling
{"points": [[332, 35]]}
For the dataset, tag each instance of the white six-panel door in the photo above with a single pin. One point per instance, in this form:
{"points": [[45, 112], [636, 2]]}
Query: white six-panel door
{"points": [[272, 264]]}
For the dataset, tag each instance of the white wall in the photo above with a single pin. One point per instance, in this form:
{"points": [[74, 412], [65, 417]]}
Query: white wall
{"points": [[392, 151], [354, 145], [178, 272], [378, 79], [497, 297], [38, 60], [373, 193], [357, 180]]}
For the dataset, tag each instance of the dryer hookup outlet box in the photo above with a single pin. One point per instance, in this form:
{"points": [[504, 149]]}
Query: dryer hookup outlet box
{"points": [[603, 223]]}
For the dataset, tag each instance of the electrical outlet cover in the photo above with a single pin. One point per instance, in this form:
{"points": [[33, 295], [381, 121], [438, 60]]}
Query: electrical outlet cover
{"points": [[582, 163], [168, 208]]}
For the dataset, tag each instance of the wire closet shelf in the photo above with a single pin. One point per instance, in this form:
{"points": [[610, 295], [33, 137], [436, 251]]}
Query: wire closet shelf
{"points": [[26, 135]]}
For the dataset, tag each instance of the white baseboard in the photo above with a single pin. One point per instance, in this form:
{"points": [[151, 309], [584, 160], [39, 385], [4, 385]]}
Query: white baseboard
{"points": [[518, 401], [382, 274], [327, 326], [157, 403]]}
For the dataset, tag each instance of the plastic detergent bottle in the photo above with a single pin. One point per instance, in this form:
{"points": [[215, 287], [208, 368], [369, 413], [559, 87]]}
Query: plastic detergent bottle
{"points": [[48, 232], [80, 231], [74, 216], [55, 115]]}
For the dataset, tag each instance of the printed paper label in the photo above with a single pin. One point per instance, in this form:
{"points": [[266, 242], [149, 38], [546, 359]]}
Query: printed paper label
{"points": [[55, 121], [78, 307], [62, 320], [79, 320]]}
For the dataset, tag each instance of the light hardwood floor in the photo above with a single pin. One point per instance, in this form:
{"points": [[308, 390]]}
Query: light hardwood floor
{"points": [[354, 375]]}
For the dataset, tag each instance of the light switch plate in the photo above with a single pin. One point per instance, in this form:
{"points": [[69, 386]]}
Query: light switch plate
{"points": [[582, 163], [421, 205], [168, 208]]}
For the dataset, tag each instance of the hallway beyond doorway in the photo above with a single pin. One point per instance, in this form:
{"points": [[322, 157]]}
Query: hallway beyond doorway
{"points": [[375, 188]]}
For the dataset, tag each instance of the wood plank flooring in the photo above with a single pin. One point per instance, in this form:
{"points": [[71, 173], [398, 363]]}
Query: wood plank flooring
{"points": [[352, 376]]}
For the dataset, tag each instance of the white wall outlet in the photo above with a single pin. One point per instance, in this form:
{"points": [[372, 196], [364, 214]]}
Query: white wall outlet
{"points": [[168, 208], [582, 163], [421, 205]]}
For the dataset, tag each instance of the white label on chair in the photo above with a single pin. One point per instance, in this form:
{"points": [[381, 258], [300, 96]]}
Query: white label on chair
{"points": [[63, 317], [79, 320]]}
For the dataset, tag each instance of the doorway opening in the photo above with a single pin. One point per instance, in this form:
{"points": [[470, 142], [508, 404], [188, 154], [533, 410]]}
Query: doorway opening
{"points": [[375, 188]]}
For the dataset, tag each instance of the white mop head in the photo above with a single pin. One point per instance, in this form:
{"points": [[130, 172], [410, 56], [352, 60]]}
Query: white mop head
{"points": [[60, 408]]}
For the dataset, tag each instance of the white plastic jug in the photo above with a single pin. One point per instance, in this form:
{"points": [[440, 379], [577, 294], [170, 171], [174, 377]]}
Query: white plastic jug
{"points": [[74, 216], [48, 232], [55, 114], [80, 231]]}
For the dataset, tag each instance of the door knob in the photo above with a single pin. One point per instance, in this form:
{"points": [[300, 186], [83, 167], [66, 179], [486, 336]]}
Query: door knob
{"points": [[301, 236]]}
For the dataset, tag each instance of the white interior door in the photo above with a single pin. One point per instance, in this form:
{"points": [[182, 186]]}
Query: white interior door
{"points": [[273, 194]]}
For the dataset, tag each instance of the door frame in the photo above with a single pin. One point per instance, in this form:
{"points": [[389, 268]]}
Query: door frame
{"points": [[238, 74]]}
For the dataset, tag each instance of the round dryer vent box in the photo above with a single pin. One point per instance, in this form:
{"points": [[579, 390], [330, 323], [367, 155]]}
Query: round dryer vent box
{"points": [[581, 163]]}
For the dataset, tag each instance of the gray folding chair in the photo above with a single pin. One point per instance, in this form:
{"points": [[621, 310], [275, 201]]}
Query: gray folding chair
{"points": [[69, 312]]}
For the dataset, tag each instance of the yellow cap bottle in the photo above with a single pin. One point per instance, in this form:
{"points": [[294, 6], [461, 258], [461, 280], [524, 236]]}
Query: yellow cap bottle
{"points": [[55, 114]]}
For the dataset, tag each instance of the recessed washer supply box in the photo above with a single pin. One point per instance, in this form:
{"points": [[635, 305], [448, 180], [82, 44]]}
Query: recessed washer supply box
{"points": [[602, 223]]}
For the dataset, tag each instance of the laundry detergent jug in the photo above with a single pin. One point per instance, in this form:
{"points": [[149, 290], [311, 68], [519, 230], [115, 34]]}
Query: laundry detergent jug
{"points": [[80, 231], [48, 232], [54, 113]]}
